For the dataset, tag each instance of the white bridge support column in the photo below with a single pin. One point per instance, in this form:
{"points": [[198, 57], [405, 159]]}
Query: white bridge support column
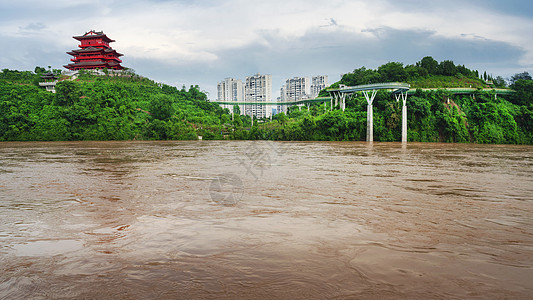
{"points": [[343, 101], [403, 96], [369, 115], [340, 99]]}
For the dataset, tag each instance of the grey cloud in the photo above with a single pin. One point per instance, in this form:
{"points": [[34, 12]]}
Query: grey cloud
{"points": [[331, 49], [522, 8], [333, 53], [33, 27]]}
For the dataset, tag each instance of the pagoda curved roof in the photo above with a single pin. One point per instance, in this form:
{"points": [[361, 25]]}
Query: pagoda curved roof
{"points": [[95, 64], [49, 75], [94, 34], [94, 49]]}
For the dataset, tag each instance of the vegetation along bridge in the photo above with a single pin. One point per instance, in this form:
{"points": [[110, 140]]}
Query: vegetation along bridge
{"points": [[400, 91]]}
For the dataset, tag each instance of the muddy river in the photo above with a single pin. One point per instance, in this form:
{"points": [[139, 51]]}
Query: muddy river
{"points": [[265, 220]]}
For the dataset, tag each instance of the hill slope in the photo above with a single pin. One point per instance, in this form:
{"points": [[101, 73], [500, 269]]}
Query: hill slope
{"points": [[132, 107], [104, 108]]}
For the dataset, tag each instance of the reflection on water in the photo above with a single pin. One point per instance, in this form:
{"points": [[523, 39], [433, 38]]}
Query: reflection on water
{"points": [[305, 220]]}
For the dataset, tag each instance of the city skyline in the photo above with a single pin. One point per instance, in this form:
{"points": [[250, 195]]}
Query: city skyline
{"points": [[295, 88], [200, 42]]}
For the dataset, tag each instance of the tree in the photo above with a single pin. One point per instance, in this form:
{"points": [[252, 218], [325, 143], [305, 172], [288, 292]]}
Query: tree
{"points": [[524, 92], [67, 93], [499, 82], [447, 68], [392, 71], [282, 118], [360, 76], [414, 72], [430, 64], [461, 69], [519, 76], [236, 109], [161, 107], [39, 70]]}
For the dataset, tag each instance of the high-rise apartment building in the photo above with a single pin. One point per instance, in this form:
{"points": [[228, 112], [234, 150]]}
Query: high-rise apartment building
{"points": [[282, 98], [297, 88], [258, 89], [294, 89], [231, 89], [318, 83]]}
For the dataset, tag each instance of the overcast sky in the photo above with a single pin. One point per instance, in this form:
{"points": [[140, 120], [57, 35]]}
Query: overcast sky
{"points": [[188, 42]]}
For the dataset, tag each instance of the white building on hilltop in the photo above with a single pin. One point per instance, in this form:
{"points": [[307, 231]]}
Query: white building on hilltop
{"points": [[318, 83], [231, 89], [258, 89]]}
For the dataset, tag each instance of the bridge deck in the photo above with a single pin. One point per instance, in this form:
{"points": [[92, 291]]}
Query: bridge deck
{"points": [[319, 99], [394, 87], [464, 91], [369, 87]]}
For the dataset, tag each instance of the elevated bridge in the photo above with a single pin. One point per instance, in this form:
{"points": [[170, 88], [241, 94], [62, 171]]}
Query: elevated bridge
{"points": [[400, 90], [288, 103], [463, 91]]}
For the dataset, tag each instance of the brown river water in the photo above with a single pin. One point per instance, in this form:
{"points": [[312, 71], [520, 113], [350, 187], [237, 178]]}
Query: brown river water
{"points": [[265, 220]]}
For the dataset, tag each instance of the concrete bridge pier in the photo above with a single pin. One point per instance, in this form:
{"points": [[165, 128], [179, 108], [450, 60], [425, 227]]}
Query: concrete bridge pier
{"points": [[404, 123], [403, 97], [340, 99], [370, 115]]}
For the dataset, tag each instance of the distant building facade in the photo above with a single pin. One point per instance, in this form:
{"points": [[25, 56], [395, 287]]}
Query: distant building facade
{"points": [[294, 89], [258, 89], [282, 98], [297, 88], [231, 89], [318, 83]]}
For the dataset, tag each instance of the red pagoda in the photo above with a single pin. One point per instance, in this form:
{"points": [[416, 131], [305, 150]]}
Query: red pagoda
{"points": [[95, 53]]}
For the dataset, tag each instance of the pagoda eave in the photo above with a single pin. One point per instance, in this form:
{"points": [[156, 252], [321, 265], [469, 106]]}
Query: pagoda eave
{"points": [[94, 65], [102, 36]]}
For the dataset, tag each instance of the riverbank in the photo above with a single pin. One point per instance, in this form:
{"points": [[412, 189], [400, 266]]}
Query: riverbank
{"points": [[136, 108]]}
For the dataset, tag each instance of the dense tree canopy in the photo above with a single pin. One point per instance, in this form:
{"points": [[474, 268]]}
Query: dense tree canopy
{"points": [[132, 107], [103, 108], [426, 73], [520, 76]]}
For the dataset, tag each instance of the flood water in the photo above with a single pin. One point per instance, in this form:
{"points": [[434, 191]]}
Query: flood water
{"points": [[265, 220]]}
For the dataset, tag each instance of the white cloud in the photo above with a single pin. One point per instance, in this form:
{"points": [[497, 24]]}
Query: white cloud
{"points": [[216, 39]]}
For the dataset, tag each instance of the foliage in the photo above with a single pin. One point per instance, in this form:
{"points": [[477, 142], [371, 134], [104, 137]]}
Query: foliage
{"points": [[131, 107], [425, 73], [520, 76], [524, 92], [103, 108], [161, 107]]}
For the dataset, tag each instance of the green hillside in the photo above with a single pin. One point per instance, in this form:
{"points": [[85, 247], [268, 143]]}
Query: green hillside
{"points": [[433, 116], [427, 73], [131, 107], [103, 108]]}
